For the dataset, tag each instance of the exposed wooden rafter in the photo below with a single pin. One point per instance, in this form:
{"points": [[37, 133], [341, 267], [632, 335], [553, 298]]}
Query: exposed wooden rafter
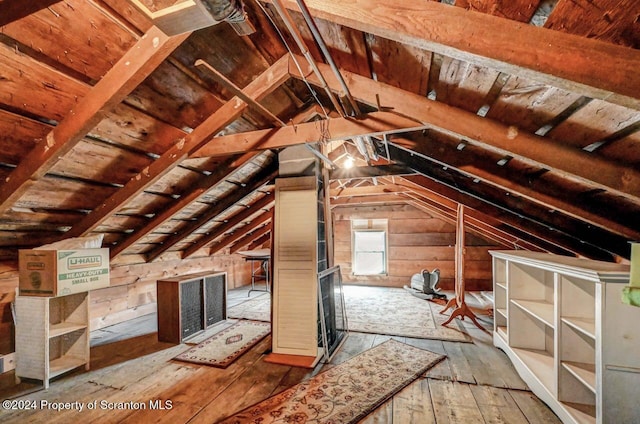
{"points": [[142, 59], [259, 88], [546, 238], [13, 10], [251, 237], [185, 200], [242, 232], [562, 159], [467, 163], [370, 171], [259, 179], [608, 72], [373, 124], [265, 202]]}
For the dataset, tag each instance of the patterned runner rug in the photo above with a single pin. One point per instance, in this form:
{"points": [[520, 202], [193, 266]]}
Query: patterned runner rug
{"points": [[347, 392], [221, 349]]}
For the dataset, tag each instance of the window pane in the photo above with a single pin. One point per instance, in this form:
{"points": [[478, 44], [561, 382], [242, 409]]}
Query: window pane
{"points": [[369, 255], [369, 241], [369, 263]]}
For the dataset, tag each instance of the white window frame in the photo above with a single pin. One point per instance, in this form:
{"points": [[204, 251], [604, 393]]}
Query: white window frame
{"points": [[370, 225]]}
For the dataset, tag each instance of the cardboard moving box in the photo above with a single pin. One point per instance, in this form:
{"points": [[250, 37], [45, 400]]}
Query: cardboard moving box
{"points": [[62, 272]]}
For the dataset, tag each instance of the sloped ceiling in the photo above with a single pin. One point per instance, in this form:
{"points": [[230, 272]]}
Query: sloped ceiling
{"points": [[527, 112]]}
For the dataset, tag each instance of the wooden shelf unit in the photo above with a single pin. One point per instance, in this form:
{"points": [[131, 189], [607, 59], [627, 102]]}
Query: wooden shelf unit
{"points": [[189, 304], [562, 323], [52, 335]]}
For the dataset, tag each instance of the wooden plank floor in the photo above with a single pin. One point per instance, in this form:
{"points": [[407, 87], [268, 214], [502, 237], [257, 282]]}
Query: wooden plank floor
{"points": [[131, 369]]}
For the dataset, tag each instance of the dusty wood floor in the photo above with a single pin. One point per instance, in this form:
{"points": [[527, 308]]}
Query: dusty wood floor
{"points": [[475, 384]]}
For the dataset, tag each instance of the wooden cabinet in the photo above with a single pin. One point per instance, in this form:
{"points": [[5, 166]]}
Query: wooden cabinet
{"points": [[562, 323], [189, 304], [52, 335]]}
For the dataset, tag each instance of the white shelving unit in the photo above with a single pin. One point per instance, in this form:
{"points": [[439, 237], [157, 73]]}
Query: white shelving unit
{"points": [[562, 323], [52, 335]]}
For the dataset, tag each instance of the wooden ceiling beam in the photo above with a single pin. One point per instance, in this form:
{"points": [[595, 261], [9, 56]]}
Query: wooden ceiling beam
{"points": [[335, 193], [591, 241], [372, 124], [385, 199], [369, 172], [261, 178], [265, 202], [483, 225], [594, 68], [12, 10], [429, 193], [468, 163], [203, 186], [251, 237], [259, 88], [241, 232], [138, 63], [260, 240], [562, 159], [521, 223], [480, 227]]}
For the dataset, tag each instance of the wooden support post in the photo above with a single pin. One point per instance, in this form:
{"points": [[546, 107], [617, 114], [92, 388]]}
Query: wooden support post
{"points": [[460, 308]]}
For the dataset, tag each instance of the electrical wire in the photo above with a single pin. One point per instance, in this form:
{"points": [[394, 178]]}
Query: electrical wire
{"points": [[293, 56]]}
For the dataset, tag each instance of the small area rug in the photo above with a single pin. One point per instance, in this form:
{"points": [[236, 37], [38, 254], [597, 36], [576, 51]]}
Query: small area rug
{"points": [[221, 349], [347, 392], [257, 309], [395, 312]]}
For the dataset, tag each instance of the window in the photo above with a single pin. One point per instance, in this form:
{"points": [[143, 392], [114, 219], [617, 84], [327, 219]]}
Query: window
{"points": [[369, 246]]}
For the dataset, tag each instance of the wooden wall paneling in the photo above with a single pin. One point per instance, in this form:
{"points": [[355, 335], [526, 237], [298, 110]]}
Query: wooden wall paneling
{"points": [[402, 66], [19, 135], [529, 104], [463, 84], [410, 226], [100, 162], [23, 87], [566, 161], [72, 31], [429, 239], [506, 45], [594, 122], [518, 10], [128, 14], [11, 11], [608, 20], [413, 247], [183, 103], [347, 47]]}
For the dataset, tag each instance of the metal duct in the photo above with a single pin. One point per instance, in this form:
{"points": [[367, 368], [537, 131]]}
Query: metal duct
{"points": [[232, 12]]}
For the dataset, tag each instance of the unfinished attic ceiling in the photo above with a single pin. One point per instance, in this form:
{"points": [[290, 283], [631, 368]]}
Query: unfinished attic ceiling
{"points": [[527, 112]]}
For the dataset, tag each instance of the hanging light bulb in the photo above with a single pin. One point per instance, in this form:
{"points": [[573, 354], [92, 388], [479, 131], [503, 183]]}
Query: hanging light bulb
{"points": [[348, 163]]}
